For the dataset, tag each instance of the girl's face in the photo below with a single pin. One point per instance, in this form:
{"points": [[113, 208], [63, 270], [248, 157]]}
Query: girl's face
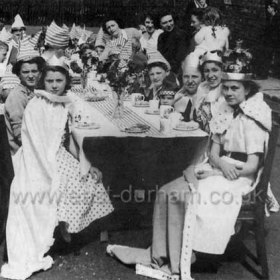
{"points": [[166, 100], [195, 23], [157, 75], [55, 82], [234, 92], [212, 74]]}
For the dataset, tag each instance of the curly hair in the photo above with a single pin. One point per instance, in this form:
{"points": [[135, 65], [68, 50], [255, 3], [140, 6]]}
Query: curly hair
{"points": [[35, 60]]}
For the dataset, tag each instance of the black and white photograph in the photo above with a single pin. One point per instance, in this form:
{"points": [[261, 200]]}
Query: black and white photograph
{"points": [[139, 139]]}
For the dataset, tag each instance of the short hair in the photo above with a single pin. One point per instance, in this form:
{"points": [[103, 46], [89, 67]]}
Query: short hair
{"points": [[212, 16], [113, 18], [35, 60], [153, 18], [165, 13], [3, 45], [157, 64], [49, 68]]}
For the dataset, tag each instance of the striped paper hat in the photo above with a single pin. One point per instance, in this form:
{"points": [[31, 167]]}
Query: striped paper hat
{"points": [[74, 32], [26, 50], [156, 56], [33, 40], [5, 36], [57, 36], [18, 23], [9, 80]]}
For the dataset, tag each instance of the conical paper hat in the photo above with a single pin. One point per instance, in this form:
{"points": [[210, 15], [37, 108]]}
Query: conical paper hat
{"points": [[18, 22], [57, 36]]}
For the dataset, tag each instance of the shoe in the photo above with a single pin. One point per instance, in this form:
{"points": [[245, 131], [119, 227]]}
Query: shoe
{"points": [[64, 232]]}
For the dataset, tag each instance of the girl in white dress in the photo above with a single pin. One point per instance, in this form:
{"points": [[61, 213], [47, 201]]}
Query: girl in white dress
{"points": [[47, 187]]}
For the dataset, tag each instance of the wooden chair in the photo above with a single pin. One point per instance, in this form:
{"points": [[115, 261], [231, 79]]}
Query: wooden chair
{"points": [[253, 209], [6, 176]]}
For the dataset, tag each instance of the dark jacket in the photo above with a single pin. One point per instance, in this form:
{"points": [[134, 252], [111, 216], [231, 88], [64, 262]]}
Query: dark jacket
{"points": [[272, 32], [173, 46]]}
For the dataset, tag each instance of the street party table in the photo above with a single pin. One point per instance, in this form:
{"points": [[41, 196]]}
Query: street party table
{"points": [[133, 159]]}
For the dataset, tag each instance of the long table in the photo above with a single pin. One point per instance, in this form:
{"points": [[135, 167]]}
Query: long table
{"points": [[140, 161]]}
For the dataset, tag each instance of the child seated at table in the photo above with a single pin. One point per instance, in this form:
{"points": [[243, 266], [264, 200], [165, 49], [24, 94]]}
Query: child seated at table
{"points": [[167, 97]]}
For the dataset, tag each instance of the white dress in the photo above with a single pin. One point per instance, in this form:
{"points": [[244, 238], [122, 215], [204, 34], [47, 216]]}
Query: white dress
{"points": [[35, 195]]}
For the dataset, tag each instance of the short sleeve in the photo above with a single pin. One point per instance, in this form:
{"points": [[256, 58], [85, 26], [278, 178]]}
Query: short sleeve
{"points": [[255, 137]]}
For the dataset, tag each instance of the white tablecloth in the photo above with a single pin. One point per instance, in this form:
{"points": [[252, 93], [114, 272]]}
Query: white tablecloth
{"points": [[107, 128]]}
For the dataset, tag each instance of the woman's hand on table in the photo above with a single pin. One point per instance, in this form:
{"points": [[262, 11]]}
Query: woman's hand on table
{"points": [[96, 174]]}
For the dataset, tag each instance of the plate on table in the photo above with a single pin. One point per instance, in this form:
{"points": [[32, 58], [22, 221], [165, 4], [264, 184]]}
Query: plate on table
{"points": [[94, 98], [87, 125], [141, 104], [137, 128], [151, 112], [187, 126]]}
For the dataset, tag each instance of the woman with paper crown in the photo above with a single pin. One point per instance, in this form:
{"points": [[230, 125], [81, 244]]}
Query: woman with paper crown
{"points": [[48, 187], [209, 92]]}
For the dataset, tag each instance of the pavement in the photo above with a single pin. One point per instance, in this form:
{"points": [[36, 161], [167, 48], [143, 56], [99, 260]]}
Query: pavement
{"points": [[85, 257]]}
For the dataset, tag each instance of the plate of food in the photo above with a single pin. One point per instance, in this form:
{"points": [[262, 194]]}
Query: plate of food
{"points": [[187, 126], [85, 125], [152, 112], [137, 128], [141, 103]]}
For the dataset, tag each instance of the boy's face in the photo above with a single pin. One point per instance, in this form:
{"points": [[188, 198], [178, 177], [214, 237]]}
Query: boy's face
{"points": [[157, 75], [166, 100], [3, 54]]}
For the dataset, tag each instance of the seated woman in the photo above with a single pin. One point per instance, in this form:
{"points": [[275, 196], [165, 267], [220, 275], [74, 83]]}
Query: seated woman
{"points": [[48, 187], [198, 211], [160, 76], [120, 40]]}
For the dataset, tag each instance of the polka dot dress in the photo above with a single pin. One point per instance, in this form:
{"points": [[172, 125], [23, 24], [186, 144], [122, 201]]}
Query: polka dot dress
{"points": [[81, 199]]}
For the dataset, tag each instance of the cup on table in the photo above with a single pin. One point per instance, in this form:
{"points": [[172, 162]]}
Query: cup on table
{"points": [[165, 125], [175, 118], [154, 104], [136, 97], [165, 111]]}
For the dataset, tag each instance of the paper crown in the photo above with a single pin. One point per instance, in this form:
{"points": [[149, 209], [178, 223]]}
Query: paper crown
{"points": [[156, 56], [167, 92], [18, 23], [9, 80], [57, 36], [192, 60], [74, 32], [33, 40], [26, 50], [5, 36], [212, 56], [237, 65], [55, 61]]}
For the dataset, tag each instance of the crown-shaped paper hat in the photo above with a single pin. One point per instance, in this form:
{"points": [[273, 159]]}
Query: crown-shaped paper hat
{"points": [[237, 65], [192, 60], [55, 61], [18, 23], [212, 56], [26, 50], [57, 36], [5, 36], [156, 56], [9, 80], [167, 92]]}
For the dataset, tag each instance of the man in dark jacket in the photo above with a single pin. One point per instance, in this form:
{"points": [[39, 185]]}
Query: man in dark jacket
{"points": [[272, 41], [172, 43]]}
